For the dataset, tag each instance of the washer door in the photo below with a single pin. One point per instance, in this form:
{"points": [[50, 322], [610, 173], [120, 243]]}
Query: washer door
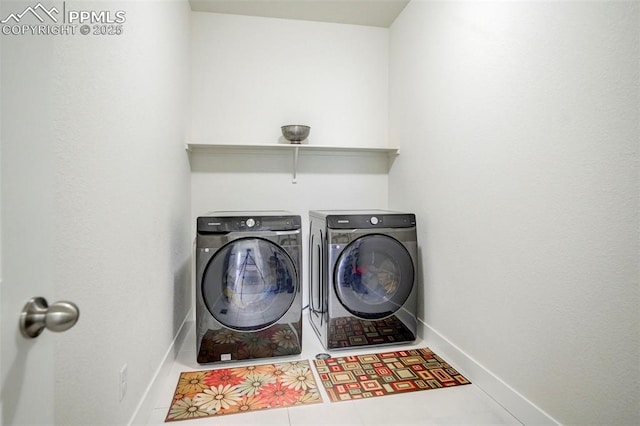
{"points": [[373, 276], [249, 284]]}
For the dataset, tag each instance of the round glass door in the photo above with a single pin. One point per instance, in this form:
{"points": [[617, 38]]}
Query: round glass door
{"points": [[373, 276], [249, 284]]}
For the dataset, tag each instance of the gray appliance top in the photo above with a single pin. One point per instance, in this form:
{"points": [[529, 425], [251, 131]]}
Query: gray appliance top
{"points": [[324, 213], [246, 213]]}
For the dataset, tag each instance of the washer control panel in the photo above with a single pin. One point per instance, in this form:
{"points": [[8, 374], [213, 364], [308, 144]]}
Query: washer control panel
{"points": [[224, 224]]}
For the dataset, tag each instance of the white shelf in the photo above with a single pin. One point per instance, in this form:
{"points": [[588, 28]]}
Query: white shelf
{"points": [[204, 147], [295, 149]]}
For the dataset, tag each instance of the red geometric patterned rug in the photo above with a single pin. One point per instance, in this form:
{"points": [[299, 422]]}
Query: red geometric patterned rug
{"points": [[241, 389], [388, 373]]}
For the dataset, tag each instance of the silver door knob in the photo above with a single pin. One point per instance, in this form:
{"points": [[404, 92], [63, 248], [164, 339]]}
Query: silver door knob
{"points": [[38, 315]]}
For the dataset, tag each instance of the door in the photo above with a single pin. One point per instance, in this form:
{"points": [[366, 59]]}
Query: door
{"points": [[249, 284], [26, 157], [373, 276]]}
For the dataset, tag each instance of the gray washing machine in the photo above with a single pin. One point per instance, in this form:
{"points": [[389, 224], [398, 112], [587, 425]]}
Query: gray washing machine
{"points": [[248, 285], [363, 278]]}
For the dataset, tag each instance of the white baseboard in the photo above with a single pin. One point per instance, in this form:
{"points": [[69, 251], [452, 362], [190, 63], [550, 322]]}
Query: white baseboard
{"points": [[512, 401], [146, 405]]}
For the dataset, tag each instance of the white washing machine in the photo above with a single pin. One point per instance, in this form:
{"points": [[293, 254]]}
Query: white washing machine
{"points": [[363, 278], [248, 279]]}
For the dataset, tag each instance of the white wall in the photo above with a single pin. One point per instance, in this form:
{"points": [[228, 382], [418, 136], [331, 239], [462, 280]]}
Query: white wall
{"points": [[250, 76], [122, 247], [518, 123]]}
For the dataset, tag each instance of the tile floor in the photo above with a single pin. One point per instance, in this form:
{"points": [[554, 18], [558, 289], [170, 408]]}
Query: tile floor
{"points": [[460, 405]]}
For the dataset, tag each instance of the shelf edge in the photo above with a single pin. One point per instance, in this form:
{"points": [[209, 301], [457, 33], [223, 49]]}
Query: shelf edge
{"points": [[191, 147]]}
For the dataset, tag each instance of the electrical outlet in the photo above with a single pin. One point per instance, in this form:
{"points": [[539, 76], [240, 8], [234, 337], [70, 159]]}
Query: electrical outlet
{"points": [[123, 382]]}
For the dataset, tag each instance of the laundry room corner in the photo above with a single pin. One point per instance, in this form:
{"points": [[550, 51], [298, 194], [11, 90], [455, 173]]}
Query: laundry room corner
{"points": [[237, 114], [372, 212]]}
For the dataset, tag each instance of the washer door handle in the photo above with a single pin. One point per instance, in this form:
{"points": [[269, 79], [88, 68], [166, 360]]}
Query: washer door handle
{"points": [[38, 315]]}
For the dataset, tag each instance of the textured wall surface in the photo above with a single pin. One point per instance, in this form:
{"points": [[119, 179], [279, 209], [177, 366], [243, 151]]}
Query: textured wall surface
{"points": [[518, 124], [122, 231]]}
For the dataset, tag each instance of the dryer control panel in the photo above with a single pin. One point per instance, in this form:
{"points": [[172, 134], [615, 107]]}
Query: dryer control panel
{"points": [[366, 221]]}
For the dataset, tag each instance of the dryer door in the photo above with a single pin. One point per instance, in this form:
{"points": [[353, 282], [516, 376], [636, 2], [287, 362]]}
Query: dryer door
{"points": [[373, 276], [249, 284]]}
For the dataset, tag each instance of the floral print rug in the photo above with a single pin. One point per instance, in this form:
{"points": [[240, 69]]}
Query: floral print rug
{"points": [[240, 389], [366, 376]]}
